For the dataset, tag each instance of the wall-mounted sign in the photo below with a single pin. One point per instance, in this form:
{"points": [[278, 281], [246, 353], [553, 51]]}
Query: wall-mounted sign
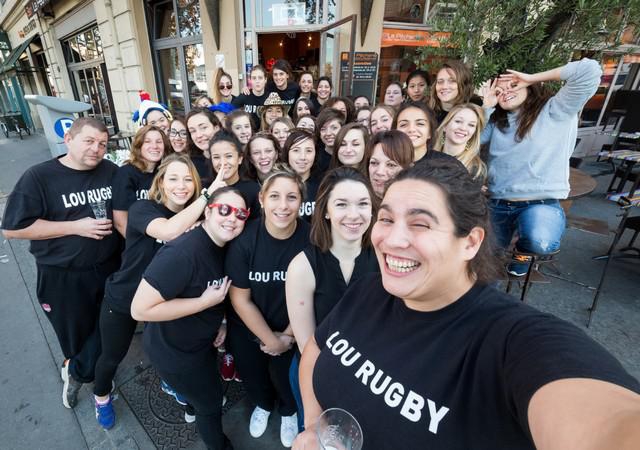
{"points": [[365, 72], [33, 6], [28, 28], [62, 125], [411, 38]]}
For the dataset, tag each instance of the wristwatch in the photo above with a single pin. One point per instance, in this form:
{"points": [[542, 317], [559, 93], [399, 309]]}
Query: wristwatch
{"points": [[205, 194]]}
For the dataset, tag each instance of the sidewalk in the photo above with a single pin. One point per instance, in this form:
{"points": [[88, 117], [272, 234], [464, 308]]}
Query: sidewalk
{"points": [[30, 385]]}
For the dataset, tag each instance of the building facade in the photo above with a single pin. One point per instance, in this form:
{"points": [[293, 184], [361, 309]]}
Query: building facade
{"points": [[104, 52]]}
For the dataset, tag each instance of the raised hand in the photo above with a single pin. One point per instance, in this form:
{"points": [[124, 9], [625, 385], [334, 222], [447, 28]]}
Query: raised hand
{"points": [[218, 182], [490, 93], [93, 228], [517, 80]]}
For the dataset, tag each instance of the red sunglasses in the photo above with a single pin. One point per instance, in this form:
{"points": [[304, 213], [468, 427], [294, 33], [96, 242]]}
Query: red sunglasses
{"points": [[224, 210]]}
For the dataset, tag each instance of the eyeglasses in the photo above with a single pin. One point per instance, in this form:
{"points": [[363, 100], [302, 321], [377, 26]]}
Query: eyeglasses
{"points": [[175, 133], [225, 86], [224, 210]]}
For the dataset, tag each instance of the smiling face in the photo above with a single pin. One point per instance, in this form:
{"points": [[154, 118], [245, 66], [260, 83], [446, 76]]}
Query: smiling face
{"points": [[329, 131], [281, 132], [177, 185], [508, 99], [158, 119], [301, 157], [393, 95], [241, 127], [414, 123], [302, 108], [306, 83], [271, 113], [349, 211], [461, 127], [263, 155], [201, 130], [203, 103], [280, 204], [382, 169], [86, 149], [446, 85], [323, 90], [420, 258], [225, 86], [152, 149], [223, 229], [363, 117], [416, 88], [380, 120], [224, 154], [351, 149], [306, 123], [178, 136], [280, 78]]}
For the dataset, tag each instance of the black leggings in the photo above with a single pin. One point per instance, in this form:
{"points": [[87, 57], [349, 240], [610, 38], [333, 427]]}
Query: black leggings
{"points": [[202, 388], [116, 332], [265, 377]]}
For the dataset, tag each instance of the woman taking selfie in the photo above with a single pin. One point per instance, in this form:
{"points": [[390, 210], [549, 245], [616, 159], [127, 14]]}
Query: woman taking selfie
{"points": [[180, 297], [260, 336], [538, 381]]}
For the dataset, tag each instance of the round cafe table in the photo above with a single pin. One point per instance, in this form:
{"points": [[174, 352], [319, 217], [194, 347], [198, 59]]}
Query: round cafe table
{"points": [[580, 183]]}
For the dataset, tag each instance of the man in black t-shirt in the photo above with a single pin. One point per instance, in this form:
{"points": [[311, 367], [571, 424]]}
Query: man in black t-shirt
{"points": [[53, 206]]}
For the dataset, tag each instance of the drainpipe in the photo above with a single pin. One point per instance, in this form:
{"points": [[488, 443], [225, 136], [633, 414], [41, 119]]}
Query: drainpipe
{"points": [[108, 4]]}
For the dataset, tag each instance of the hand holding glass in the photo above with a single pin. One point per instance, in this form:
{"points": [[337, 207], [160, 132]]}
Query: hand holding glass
{"points": [[99, 209], [337, 429]]}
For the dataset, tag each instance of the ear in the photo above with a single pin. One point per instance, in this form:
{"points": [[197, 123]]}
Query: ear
{"points": [[207, 212], [239, 160], [472, 242], [261, 199], [67, 137]]}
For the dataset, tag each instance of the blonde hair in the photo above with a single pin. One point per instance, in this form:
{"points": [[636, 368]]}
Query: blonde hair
{"points": [[217, 96], [283, 171], [470, 156], [156, 193]]}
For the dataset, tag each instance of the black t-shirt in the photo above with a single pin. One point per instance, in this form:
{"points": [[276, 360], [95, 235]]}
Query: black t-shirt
{"points": [[324, 159], [330, 283], [259, 262], [457, 378], [288, 95], [130, 184], [316, 104], [138, 253], [204, 168], [54, 192], [309, 203], [184, 268], [250, 190], [433, 155], [250, 104]]}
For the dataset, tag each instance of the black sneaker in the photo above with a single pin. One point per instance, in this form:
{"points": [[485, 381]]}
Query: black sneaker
{"points": [[70, 388]]}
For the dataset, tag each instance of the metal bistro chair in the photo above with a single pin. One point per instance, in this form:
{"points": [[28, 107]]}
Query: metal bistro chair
{"points": [[534, 275]]}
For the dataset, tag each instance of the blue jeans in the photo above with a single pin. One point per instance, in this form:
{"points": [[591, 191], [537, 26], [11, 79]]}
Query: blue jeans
{"points": [[540, 225], [295, 388]]}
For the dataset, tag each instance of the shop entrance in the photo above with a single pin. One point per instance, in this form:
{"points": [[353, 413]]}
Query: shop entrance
{"points": [[301, 49]]}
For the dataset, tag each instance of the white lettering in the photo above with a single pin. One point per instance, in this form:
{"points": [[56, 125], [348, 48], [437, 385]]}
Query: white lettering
{"points": [[379, 388], [340, 347], [412, 406], [91, 198], [394, 394], [436, 415], [65, 201], [345, 357], [365, 371], [328, 343]]}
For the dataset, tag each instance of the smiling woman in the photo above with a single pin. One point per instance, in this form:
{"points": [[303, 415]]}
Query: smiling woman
{"points": [[433, 306]]}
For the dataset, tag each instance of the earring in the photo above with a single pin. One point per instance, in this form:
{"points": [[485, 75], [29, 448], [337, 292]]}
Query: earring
{"points": [[326, 216]]}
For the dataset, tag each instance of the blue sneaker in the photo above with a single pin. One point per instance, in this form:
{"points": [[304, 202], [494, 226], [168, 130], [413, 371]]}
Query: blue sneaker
{"points": [[105, 414], [170, 391]]}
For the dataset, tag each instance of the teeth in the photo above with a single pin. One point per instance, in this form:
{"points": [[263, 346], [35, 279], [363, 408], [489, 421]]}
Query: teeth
{"points": [[402, 266]]}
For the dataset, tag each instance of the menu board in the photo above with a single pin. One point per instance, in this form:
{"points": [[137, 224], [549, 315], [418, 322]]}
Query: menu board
{"points": [[365, 72]]}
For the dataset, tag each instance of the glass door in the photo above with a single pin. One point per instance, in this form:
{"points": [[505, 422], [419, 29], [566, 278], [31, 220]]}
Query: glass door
{"points": [[329, 46]]}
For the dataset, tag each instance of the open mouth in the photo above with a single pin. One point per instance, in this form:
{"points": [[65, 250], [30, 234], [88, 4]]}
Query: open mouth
{"points": [[401, 265]]}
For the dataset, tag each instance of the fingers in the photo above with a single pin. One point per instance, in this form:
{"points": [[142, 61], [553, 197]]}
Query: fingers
{"points": [[220, 175]]}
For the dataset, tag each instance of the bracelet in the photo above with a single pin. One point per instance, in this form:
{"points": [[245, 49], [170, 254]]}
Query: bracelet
{"points": [[205, 194]]}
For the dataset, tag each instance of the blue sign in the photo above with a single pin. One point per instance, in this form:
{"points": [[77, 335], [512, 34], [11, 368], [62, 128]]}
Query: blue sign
{"points": [[62, 125]]}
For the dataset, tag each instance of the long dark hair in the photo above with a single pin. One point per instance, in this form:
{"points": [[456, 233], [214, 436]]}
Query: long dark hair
{"points": [[537, 97], [467, 205], [320, 227]]}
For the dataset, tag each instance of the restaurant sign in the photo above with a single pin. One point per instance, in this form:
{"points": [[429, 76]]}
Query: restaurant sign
{"points": [[33, 6], [28, 28], [412, 38]]}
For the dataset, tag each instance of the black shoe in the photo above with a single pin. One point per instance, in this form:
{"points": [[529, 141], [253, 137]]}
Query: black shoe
{"points": [[70, 388]]}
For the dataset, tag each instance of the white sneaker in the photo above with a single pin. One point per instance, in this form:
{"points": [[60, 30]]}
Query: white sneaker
{"points": [[189, 418], [288, 430], [258, 423]]}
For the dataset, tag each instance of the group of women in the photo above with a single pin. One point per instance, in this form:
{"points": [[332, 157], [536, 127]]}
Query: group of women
{"points": [[387, 210]]}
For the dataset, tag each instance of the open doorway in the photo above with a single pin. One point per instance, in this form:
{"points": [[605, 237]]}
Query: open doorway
{"points": [[301, 49]]}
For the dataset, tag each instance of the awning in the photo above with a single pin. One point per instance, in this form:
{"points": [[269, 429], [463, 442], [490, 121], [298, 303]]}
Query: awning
{"points": [[11, 60]]}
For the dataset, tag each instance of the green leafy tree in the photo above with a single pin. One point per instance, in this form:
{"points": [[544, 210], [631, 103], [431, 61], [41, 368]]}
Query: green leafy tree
{"points": [[528, 35]]}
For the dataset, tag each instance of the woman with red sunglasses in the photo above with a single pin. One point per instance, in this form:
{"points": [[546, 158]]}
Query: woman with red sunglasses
{"points": [[180, 296]]}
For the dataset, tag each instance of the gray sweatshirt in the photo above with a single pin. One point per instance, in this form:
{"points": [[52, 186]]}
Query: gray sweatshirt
{"points": [[538, 166]]}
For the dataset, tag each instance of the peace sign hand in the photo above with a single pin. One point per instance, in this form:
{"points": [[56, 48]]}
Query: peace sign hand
{"points": [[218, 182], [490, 93]]}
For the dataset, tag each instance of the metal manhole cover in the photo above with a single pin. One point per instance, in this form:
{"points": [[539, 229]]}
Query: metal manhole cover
{"points": [[161, 416]]}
